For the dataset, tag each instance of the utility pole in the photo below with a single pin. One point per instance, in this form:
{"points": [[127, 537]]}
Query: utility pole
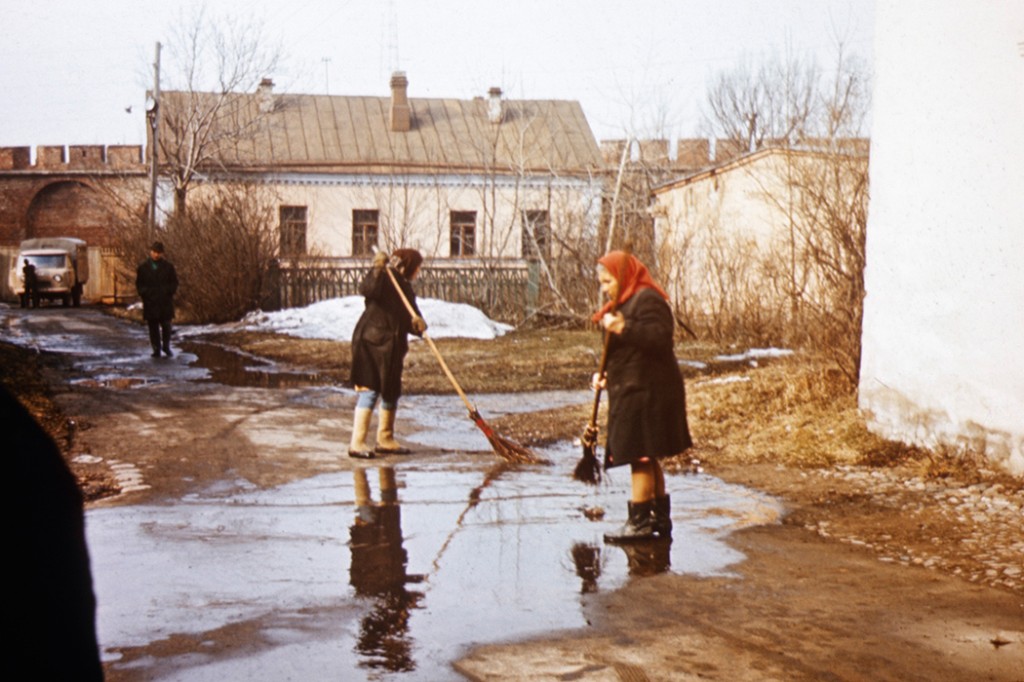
{"points": [[153, 118], [626, 150]]}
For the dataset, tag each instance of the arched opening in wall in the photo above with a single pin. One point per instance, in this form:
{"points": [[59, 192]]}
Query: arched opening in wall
{"points": [[70, 209]]}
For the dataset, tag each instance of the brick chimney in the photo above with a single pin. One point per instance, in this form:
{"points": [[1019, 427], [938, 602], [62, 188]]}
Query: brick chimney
{"points": [[494, 110], [265, 91], [401, 113]]}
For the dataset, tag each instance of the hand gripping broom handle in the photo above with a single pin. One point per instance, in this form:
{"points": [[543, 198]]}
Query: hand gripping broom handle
{"points": [[430, 342], [600, 371]]}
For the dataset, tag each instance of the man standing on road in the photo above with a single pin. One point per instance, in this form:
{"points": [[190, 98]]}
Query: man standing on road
{"points": [[157, 281], [31, 297]]}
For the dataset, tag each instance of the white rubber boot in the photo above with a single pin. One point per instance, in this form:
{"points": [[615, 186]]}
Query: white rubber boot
{"points": [[386, 443], [357, 447]]}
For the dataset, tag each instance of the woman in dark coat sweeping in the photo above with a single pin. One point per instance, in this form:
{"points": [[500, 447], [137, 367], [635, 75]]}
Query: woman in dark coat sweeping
{"points": [[646, 397], [379, 344]]}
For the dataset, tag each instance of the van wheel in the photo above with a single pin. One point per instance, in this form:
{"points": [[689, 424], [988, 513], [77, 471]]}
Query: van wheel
{"points": [[76, 297], [66, 299]]}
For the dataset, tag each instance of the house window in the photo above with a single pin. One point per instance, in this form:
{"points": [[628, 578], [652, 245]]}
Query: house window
{"points": [[536, 235], [364, 232], [293, 230], [463, 235]]}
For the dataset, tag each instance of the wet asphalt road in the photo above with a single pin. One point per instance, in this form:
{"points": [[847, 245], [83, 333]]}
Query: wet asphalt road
{"points": [[336, 569]]}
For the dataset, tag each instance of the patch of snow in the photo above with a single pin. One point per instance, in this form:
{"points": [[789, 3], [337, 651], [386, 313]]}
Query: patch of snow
{"points": [[335, 319], [755, 353], [722, 380]]}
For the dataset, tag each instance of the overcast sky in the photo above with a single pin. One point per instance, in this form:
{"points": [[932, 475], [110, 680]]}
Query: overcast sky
{"points": [[70, 69]]}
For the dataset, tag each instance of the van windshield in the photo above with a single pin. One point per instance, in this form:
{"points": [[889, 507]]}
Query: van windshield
{"points": [[47, 261]]}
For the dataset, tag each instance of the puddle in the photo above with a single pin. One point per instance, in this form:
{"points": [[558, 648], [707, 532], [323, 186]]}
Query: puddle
{"points": [[231, 368], [114, 382], [384, 573]]}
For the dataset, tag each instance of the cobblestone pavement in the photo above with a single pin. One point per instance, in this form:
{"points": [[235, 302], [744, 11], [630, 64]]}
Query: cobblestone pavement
{"points": [[971, 530]]}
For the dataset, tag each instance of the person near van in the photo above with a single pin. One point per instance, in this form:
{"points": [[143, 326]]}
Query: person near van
{"points": [[646, 398], [379, 344], [157, 281], [28, 272]]}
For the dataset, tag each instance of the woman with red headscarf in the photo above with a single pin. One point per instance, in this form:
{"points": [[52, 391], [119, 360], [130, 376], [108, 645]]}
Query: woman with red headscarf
{"points": [[379, 344], [646, 397]]}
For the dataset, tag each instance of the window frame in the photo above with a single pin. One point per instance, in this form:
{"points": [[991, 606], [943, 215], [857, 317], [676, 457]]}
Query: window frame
{"points": [[461, 224], [293, 225], [540, 246], [364, 219]]}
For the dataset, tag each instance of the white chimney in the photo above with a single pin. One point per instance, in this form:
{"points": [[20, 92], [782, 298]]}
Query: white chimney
{"points": [[494, 112], [266, 95]]}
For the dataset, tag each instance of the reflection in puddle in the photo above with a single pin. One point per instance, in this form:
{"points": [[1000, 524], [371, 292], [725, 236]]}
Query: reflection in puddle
{"points": [[231, 368], [114, 382], [378, 570], [392, 582]]}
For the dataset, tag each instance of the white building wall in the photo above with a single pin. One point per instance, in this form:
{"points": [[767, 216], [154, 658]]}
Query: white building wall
{"points": [[943, 340], [415, 212], [734, 210]]}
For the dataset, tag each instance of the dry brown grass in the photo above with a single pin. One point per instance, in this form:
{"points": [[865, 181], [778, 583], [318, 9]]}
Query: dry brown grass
{"points": [[797, 410]]}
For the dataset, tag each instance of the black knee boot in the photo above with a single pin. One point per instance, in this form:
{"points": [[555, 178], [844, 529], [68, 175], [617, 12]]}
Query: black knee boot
{"points": [[663, 516], [639, 525]]}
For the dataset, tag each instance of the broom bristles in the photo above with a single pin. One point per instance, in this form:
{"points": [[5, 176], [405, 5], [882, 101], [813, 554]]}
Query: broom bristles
{"points": [[513, 452], [503, 447], [588, 469]]}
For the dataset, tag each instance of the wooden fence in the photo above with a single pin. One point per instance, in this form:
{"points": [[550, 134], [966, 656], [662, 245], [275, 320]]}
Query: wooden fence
{"points": [[503, 290]]}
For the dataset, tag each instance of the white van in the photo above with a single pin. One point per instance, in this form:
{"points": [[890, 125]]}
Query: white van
{"points": [[62, 269]]}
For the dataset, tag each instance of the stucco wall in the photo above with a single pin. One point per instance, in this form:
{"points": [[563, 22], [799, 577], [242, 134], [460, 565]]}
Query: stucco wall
{"points": [[732, 218], [943, 341], [422, 206]]}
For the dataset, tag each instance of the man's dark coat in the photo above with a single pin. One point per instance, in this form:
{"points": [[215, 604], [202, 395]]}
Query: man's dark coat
{"points": [[157, 282]]}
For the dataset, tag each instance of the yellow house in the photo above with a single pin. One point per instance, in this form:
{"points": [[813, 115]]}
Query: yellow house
{"points": [[489, 178], [736, 242]]}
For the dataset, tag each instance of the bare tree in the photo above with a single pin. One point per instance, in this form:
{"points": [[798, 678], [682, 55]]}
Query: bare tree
{"points": [[774, 103], [803, 285], [204, 113]]}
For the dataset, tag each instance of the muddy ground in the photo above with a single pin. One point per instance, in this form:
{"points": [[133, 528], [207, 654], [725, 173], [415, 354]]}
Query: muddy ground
{"points": [[890, 563]]}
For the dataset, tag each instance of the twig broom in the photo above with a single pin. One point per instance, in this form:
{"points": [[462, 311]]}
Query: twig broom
{"points": [[588, 469]]}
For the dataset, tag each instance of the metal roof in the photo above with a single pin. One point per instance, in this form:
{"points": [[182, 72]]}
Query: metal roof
{"points": [[347, 134]]}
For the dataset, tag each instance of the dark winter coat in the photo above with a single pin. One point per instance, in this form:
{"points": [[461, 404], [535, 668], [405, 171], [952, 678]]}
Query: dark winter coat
{"points": [[646, 398], [380, 340], [157, 282], [50, 607]]}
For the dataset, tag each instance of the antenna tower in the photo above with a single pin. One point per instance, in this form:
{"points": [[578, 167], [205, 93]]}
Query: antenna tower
{"points": [[395, 64]]}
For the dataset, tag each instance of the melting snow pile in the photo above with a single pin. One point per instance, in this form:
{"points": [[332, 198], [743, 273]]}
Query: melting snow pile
{"points": [[336, 318]]}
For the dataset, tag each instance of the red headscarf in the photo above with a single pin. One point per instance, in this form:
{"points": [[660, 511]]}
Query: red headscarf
{"points": [[632, 276]]}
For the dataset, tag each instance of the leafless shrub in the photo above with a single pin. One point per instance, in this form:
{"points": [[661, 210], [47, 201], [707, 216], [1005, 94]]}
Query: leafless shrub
{"points": [[222, 247]]}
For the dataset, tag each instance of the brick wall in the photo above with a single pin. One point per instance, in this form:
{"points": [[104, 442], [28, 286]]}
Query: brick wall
{"points": [[691, 154], [67, 191]]}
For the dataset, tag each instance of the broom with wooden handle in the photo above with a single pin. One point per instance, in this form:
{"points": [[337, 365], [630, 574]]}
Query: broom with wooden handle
{"points": [[588, 469], [506, 449]]}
